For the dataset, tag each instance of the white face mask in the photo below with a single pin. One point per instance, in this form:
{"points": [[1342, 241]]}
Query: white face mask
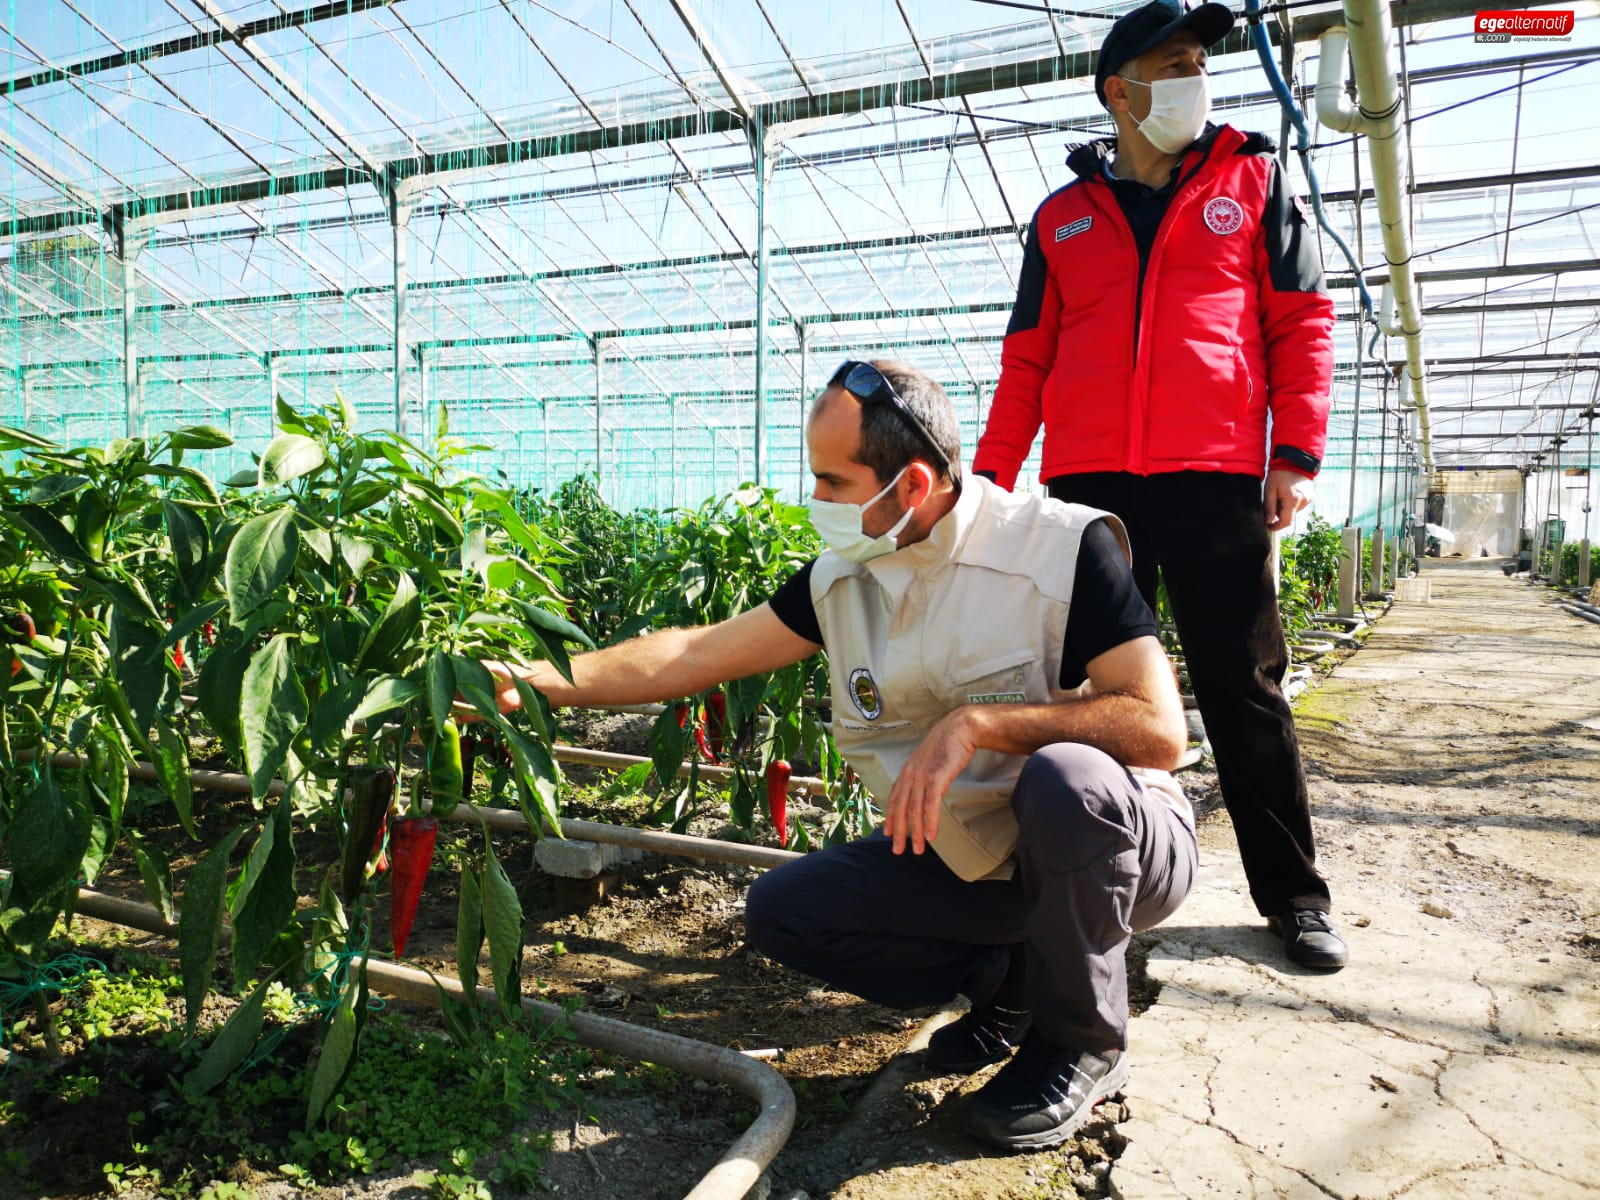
{"points": [[1178, 111], [840, 526]]}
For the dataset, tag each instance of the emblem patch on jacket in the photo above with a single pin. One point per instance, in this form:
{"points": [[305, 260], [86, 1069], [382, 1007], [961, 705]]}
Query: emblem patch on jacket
{"points": [[865, 694], [1223, 215], [1074, 228]]}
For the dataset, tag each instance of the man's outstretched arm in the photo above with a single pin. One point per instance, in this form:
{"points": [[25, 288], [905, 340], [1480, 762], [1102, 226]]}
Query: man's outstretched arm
{"points": [[663, 665]]}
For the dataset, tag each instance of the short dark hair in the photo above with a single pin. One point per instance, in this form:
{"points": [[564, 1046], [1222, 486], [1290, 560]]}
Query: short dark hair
{"points": [[888, 443]]}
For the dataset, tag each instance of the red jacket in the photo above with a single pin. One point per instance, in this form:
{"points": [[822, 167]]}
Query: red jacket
{"points": [[1173, 364]]}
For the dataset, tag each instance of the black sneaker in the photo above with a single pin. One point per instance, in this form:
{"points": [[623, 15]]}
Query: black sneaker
{"points": [[981, 1038], [1310, 939], [1044, 1095]]}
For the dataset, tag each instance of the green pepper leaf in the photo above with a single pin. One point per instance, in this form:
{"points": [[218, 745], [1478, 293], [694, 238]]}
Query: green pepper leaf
{"points": [[441, 679], [200, 924], [232, 1045], [260, 558], [157, 875], [339, 1046], [200, 437], [393, 630], [170, 756], [265, 900], [49, 835], [502, 922], [469, 933], [273, 710], [220, 691], [288, 457]]}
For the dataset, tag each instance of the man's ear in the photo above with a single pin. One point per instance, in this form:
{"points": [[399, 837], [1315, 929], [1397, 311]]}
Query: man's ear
{"points": [[919, 481], [1117, 94]]}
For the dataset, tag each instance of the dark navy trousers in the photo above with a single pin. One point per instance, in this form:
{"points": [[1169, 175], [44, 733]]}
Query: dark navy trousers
{"points": [[1097, 860]]}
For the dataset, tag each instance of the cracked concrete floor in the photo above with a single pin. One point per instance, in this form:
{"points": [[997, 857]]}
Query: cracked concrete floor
{"points": [[1454, 766]]}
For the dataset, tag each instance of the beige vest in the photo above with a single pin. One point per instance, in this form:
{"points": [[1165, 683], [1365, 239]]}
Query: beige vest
{"points": [[974, 614]]}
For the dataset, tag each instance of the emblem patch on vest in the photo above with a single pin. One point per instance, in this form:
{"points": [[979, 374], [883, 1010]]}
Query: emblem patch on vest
{"points": [[1081, 225], [865, 694], [1223, 215]]}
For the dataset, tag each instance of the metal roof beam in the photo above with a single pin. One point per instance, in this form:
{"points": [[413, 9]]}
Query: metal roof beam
{"points": [[1458, 274], [691, 21], [194, 41], [1053, 68]]}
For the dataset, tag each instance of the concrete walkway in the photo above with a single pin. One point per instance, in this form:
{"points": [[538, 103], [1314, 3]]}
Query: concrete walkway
{"points": [[1455, 772]]}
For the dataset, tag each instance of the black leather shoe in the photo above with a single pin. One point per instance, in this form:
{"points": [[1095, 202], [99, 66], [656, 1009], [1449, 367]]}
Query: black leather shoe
{"points": [[981, 1038], [1043, 1095], [1310, 939]]}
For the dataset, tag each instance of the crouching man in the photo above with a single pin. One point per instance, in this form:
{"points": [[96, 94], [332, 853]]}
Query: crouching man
{"points": [[999, 688]]}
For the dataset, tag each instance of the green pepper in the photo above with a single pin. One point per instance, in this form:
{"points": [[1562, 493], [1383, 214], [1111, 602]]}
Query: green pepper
{"points": [[94, 519], [371, 792], [98, 754], [445, 774]]}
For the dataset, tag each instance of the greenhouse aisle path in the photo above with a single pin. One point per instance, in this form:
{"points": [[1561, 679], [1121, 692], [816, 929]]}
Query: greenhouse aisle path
{"points": [[1455, 773]]}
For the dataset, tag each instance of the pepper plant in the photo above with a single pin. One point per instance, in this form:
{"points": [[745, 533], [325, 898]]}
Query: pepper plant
{"points": [[106, 571]]}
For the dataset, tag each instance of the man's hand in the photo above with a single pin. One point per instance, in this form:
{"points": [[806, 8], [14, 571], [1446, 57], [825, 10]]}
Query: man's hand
{"points": [[1287, 493], [919, 790], [505, 692]]}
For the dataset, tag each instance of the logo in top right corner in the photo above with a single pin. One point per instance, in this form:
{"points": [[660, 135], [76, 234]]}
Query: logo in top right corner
{"points": [[1523, 25], [1223, 215]]}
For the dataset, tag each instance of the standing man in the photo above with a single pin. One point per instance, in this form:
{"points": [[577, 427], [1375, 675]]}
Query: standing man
{"points": [[1171, 301], [998, 686]]}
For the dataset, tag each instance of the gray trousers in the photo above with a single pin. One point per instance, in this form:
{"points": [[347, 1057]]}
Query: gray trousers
{"points": [[1096, 861]]}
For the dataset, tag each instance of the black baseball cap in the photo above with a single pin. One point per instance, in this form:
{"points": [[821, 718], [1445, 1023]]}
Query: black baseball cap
{"points": [[1142, 30]]}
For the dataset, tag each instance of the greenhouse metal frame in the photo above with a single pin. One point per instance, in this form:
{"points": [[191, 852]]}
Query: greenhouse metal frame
{"points": [[635, 247]]}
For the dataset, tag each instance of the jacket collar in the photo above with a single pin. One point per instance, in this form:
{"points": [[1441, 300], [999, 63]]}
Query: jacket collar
{"points": [[1088, 160]]}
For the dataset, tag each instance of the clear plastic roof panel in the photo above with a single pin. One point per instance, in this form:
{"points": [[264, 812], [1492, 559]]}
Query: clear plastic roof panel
{"points": [[574, 181]]}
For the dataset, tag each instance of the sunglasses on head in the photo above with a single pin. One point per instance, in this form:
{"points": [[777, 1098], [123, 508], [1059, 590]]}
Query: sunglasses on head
{"points": [[868, 384]]}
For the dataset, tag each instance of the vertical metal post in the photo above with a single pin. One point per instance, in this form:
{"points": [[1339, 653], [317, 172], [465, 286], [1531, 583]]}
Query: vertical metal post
{"points": [[1585, 546], [127, 247], [763, 178], [399, 221], [672, 492], [425, 400], [1355, 425], [544, 467], [970, 451], [1349, 570], [805, 458], [599, 405], [25, 397]]}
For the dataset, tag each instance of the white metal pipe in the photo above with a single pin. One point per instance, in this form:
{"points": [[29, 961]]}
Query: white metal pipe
{"points": [[1387, 320], [764, 155], [1370, 38], [1334, 108], [679, 845]]}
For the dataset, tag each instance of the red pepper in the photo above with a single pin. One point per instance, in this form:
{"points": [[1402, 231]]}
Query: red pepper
{"points": [[16, 666], [716, 721], [208, 631], [778, 771], [681, 711], [20, 628], [700, 741], [177, 649], [412, 842]]}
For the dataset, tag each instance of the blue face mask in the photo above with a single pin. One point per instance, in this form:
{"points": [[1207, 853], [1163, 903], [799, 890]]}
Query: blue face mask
{"points": [[840, 527]]}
